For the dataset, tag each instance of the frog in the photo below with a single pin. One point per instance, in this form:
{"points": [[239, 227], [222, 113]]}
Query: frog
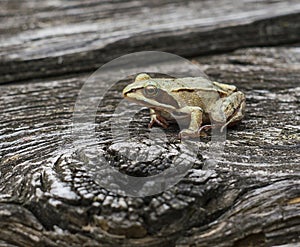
{"points": [[197, 103]]}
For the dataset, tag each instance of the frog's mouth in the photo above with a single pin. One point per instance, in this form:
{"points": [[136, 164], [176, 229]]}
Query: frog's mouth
{"points": [[148, 102]]}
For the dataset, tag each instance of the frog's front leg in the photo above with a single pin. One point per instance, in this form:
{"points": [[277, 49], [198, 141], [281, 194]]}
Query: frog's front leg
{"points": [[157, 118], [196, 114], [232, 109]]}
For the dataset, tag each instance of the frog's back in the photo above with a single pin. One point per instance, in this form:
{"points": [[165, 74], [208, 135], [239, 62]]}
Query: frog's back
{"points": [[187, 83], [195, 91], [202, 84]]}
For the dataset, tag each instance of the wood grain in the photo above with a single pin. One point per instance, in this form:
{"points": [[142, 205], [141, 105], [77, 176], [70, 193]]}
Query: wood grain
{"points": [[49, 196], [251, 197], [63, 37]]}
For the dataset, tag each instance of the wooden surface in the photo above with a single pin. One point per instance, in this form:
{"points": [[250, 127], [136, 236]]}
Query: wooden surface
{"points": [[63, 37], [48, 198]]}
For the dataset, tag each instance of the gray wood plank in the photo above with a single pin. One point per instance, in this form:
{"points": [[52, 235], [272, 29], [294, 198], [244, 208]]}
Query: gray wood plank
{"points": [[62, 37], [48, 197]]}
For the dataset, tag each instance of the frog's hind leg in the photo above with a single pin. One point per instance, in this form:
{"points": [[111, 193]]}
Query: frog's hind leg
{"points": [[234, 109], [228, 110]]}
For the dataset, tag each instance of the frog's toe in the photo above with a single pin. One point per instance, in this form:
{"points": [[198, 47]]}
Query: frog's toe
{"points": [[159, 120], [204, 128], [187, 133]]}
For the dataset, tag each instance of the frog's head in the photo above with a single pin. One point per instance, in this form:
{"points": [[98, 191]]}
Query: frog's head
{"points": [[150, 92]]}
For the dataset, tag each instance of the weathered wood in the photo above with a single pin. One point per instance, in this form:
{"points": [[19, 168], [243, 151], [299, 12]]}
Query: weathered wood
{"points": [[48, 196], [251, 198], [41, 39]]}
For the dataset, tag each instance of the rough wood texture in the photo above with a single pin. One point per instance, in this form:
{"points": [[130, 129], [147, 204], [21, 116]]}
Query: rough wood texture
{"points": [[59, 37], [47, 195]]}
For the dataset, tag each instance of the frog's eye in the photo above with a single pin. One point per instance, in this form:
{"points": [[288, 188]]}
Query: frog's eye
{"points": [[150, 91]]}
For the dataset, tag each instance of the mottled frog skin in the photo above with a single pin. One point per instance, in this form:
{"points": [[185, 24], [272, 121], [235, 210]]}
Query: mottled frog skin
{"points": [[193, 100]]}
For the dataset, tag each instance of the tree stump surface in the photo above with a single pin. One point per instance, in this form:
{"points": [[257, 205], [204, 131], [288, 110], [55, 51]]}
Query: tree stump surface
{"points": [[49, 197]]}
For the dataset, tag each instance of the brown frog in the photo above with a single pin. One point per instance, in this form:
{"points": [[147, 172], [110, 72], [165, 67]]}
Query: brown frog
{"points": [[193, 100]]}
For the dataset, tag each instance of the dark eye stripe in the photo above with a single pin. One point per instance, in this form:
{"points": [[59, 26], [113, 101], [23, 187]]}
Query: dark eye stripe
{"points": [[164, 98]]}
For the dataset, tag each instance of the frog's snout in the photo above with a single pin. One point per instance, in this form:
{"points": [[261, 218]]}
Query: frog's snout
{"points": [[125, 91], [128, 89]]}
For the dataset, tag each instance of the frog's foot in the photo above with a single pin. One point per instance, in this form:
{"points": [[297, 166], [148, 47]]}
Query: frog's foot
{"points": [[155, 118], [209, 127], [205, 128], [188, 133]]}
